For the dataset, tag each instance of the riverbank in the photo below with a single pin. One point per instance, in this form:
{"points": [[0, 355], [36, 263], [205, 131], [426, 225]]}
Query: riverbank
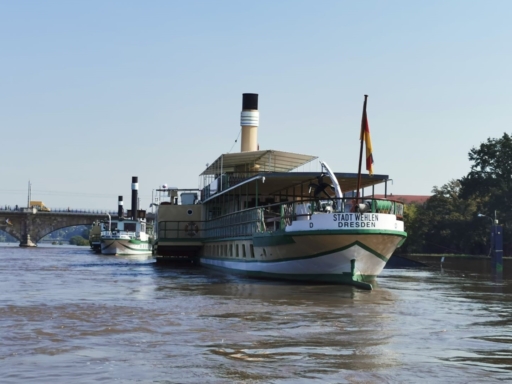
{"points": [[469, 263]]}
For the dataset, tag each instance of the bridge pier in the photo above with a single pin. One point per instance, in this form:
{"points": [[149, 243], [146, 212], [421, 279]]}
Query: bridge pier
{"points": [[26, 241]]}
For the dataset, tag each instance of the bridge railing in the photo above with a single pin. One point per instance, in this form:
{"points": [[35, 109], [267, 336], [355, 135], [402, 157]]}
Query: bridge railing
{"points": [[92, 211], [6, 208]]}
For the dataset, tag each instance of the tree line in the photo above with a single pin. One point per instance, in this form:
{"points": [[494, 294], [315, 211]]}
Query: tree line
{"points": [[451, 220]]}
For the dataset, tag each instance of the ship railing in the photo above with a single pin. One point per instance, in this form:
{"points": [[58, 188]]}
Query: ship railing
{"points": [[226, 181], [347, 205], [243, 223], [117, 233], [281, 215], [272, 217], [174, 229]]}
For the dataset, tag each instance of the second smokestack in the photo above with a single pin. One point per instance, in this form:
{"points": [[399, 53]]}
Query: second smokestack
{"points": [[250, 121], [120, 207], [135, 196]]}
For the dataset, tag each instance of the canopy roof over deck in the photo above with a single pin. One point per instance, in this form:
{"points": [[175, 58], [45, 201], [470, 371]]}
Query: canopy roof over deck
{"points": [[297, 184], [260, 161]]}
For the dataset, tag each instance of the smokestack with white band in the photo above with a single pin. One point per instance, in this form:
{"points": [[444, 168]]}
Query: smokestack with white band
{"points": [[250, 120], [120, 207], [135, 192]]}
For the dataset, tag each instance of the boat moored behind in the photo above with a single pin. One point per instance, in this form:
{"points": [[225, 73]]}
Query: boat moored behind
{"points": [[130, 235]]}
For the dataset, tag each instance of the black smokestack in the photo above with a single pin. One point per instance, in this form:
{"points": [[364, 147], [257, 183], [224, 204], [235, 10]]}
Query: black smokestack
{"points": [[135, 192], [120, 207], [249, 121], [250, 101]]}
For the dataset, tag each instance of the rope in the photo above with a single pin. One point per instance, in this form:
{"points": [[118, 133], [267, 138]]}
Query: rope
{"points": [[240, 131]]}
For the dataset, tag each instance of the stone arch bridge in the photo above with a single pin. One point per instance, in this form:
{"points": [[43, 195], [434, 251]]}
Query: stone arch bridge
{"points": [[29, 226]]}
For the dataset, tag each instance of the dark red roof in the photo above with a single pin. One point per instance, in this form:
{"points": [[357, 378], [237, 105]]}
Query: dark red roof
{"points": [[407, 199]]}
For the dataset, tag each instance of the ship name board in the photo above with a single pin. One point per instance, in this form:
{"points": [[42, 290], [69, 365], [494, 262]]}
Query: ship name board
{"points": [[355, 220]]}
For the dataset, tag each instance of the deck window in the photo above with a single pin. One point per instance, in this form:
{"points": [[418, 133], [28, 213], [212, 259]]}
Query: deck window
{"points": [[243, 250], [252, 251], [130, 227], [231, 250], [237, 254]]}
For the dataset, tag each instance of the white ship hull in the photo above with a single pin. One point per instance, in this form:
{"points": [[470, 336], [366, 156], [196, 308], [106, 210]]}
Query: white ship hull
{"points": [[332, 268], [125, 247], [319, 249]]}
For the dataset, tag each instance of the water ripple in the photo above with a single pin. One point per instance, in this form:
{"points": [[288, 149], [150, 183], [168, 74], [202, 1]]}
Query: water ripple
{"points": [[68, 315]]}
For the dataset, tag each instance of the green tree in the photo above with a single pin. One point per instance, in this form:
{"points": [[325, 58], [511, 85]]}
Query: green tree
{"points": [[415, 236], [448, 222], [489, 181], [445, 223], [78, 240]]}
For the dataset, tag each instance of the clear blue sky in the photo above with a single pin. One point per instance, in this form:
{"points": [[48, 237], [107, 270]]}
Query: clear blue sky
{"points": [[94, 92]]}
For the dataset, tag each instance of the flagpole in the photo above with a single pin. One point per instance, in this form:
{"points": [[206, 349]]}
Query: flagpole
{"points": [[361, 150]]}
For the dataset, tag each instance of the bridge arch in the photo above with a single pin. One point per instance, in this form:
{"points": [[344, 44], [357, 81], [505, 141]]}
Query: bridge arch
{"points": [[54, 224], [11, 227], [30, 227], [58, 229], [12, 234]]}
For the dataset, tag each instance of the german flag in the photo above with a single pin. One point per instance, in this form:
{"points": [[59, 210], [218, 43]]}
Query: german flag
{"points": [[365, 136]]}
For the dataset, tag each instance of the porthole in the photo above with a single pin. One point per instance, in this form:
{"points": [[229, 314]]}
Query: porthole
{"points": [[189, 211]]}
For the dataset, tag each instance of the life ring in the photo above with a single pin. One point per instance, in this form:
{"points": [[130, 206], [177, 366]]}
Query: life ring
{"points": [[191, 229]]}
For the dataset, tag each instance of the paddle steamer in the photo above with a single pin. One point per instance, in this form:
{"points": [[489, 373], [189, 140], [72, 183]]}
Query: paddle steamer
{"points": [[257, 214]]}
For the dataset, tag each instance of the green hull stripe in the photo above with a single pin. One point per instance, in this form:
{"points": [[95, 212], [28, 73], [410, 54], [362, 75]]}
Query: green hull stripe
{"points": [[282, 238], [135, 241], [133, 249], [355, 243]]}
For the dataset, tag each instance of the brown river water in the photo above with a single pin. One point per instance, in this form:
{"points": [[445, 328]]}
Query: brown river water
{"points": [[70, 316]]}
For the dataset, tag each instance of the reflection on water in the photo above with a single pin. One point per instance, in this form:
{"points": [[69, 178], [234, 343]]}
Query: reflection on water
{"points": [[130, 257], [68, 314]]}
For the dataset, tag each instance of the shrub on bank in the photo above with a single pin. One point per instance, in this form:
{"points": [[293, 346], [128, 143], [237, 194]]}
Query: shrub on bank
{"points": [[78, 240]]}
